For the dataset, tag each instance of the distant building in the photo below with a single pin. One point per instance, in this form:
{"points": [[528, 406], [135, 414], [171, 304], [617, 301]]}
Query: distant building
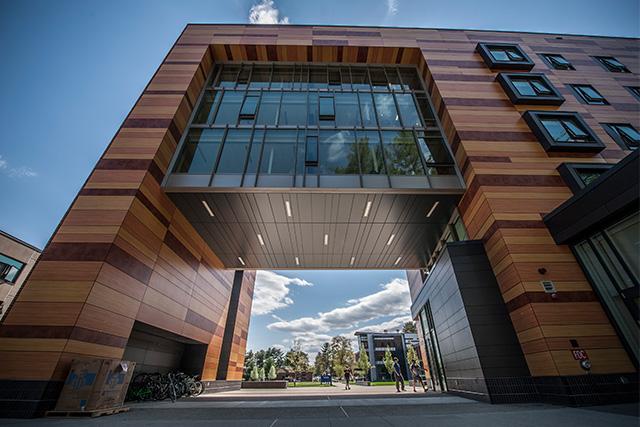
{"points": [[376, 343], [16, 260]]}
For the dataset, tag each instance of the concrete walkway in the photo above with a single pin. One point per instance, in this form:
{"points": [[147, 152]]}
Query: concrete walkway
{"points": [[334, 408]]}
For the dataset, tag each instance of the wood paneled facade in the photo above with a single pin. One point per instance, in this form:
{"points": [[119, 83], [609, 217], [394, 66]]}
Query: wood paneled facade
{"points": [[125, 253]]}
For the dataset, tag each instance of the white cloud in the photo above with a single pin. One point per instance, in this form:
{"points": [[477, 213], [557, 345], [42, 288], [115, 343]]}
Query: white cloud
{"points": [[392, 7], [389, 326], [17, 172], [272, 291], [266, 12], [392, 300]]}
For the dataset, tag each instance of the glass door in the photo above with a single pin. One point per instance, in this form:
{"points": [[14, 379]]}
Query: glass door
{"points": [[434, 357]]}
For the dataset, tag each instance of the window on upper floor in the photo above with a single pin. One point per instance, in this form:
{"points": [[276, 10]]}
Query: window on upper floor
{"points": [[624, 134], [589, 95], [579, 175], [557, 61], [612, 64], [504, 55], [635, 91], [9, 269], [529, 88], [562, 131]]}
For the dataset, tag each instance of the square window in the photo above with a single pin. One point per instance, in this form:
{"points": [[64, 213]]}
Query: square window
{"points": [[612, 64], [504, 55], [589, 95], [579, 175], [625, 135], [557, 61], [529, 88], [562, 131]]}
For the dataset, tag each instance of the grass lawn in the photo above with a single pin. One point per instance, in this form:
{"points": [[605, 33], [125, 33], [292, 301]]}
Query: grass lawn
{"points": [[384, 383], [307, 384]]}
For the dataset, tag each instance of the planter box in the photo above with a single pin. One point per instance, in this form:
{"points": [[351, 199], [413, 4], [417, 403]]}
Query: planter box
{"points": [[264, 384]]}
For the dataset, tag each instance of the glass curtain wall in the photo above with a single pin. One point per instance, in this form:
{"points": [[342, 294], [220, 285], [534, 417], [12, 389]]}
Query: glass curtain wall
{"points": [[264, 124]]}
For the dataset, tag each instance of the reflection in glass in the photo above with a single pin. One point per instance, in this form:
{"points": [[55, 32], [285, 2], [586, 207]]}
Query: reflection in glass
{"points": [[199, 152], [229, 108], [408, 112], [234, 151], [282, 77], [208, 105], [367, 110], [312, 111], [279, 152], [347, 113], [360, 78], [401, 153], [327, 109], [370, 153], [268, 113], [386, 107], [260, 77], [254, 155], [338, 154], [294, 109], [228, 76]]}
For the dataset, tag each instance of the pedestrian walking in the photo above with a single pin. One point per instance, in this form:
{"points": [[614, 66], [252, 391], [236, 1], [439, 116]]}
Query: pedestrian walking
{"points": [[397, 374], [415, 374], [347, 378]]}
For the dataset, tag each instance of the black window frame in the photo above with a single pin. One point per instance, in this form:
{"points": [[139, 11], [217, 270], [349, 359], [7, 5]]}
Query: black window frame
{"points": [[6, 268], [613, 69], [506, 81], [635, 91], [534, 120], [484, 49], [546, 57], [585, 98], [570, 173], [326, 117], [616, 136]]}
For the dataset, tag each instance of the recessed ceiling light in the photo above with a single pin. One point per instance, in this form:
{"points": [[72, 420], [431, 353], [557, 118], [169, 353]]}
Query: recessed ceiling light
{"points": [[297, 261], [367, 209], [241, 261], [326, 239], [353, 259], [260, 239], [390, 239], [206, 206], [397, 261], [433, 208], [287, 206]]}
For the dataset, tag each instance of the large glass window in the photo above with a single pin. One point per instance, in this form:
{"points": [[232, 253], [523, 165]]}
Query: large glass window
{"points": [[261, 119], [199, 152], [234, 151], [278, 157], [9, 269]]}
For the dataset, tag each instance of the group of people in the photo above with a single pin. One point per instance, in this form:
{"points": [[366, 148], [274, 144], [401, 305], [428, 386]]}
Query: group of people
{"points": [[414, 367]]}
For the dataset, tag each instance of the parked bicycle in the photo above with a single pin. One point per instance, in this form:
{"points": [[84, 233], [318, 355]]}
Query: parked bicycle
{"points": [[157, 386]]}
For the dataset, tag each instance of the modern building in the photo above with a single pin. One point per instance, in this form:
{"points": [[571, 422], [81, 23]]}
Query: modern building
{"points": [[376, 344], [16, 260], [440, 152]]}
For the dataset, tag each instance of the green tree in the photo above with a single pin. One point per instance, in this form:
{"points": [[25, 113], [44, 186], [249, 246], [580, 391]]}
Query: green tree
{"points": [[261, 373], [341, 354], [412, 355], [268, 364], [249, 364], [272, 373], [276, 355], [323, 360], [297, 360], [388, 361], [409, 328], [255, 373], [363, 362]]}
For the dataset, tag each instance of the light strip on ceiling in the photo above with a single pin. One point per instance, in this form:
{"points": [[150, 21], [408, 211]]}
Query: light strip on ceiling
{"points": [[353, 259], [260, 239], [326, 239], [433, 208], [297, 261], [367, 209], [206, 206], [397, 261], [287, 206], [390, 239], [241, 261]]}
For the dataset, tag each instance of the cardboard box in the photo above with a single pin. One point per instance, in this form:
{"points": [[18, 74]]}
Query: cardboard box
{"points": [[94, 384]]}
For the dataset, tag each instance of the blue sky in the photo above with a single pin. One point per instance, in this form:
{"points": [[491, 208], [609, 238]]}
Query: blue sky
{"points": [[73, 69]]}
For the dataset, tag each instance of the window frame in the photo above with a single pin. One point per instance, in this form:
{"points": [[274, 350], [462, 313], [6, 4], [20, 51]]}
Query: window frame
{"points": [[634, 91], [506, 81], [20, 270], [615, 135], [546, 58], [613, 69], [585, 98], [534, 120], [484, 49], [570, 174]]}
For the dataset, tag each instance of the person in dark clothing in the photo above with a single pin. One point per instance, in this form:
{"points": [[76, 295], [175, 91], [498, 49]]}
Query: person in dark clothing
{"points": [[347, 378], [397, 375], [415, 374]]}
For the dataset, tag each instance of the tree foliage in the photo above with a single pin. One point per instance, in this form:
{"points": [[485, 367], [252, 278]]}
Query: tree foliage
{"points": [[409, 328], [322, 363], [412, 355], [297, 360], [363, 362], [341, 354], [388, 361], [272, 375]]}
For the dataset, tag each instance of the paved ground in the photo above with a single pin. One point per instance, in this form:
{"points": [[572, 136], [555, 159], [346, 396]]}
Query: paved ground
{"points": [[335, 407]]}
